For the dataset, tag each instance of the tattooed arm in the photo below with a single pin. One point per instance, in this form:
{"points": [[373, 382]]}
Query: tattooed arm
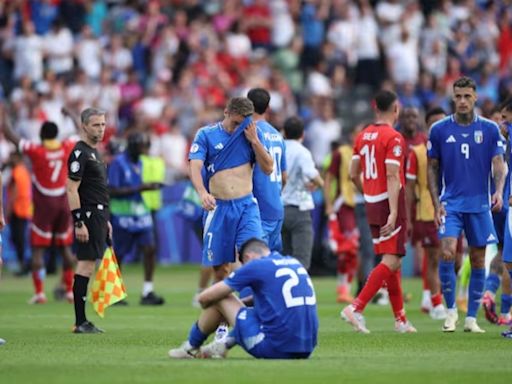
{"points": [[498, 170]]}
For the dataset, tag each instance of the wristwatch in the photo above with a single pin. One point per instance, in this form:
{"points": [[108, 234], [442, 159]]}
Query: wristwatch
{"points": [[79, 224]]}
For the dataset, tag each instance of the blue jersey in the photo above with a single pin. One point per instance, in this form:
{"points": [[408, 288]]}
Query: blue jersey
{"points": [[219, 149], [284, 300], [129, 211], [465, 158], [267, 188], [506, 187]]}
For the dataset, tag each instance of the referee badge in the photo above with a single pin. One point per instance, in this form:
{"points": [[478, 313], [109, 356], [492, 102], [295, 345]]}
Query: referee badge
{"points": [[75, 166], [479, 137]]}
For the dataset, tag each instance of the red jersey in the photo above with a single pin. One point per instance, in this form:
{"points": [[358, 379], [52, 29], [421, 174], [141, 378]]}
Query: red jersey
{"points": [[49, 166], [376, 146]]}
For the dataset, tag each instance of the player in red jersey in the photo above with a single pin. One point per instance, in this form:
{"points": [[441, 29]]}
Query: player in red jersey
{"points": [[51, 223], [377, 170]]}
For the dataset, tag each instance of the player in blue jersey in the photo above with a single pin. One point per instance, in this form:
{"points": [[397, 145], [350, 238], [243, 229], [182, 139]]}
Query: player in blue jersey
{"points": [[462, 150], [267, 188], [283, 324], [132, 223], [227, 151], [496, 271], [506, 113]]}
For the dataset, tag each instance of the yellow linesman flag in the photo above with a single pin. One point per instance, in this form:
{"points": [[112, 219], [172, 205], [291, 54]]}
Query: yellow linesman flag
{"points": [[108, 287]]}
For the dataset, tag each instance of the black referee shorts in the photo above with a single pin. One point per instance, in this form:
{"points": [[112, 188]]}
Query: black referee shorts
{"points": [[96, 222]]}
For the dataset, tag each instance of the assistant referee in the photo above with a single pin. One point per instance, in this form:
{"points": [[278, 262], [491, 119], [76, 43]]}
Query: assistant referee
{"points": [[88, 197]]}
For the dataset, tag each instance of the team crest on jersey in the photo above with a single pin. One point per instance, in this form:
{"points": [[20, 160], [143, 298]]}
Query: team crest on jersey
{"points": [[397, 150], [75, 166], [479, 137], [194, 148]]}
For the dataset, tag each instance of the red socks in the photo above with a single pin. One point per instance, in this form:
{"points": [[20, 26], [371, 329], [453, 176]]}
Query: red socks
{"points": [[436, 300], [395, 295], [67, 279], [377, 277], [424, 271], [38, 281]]}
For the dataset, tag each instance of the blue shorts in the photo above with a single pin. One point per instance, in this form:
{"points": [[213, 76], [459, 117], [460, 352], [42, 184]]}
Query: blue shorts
{"points": [[229, 225], [507, 241], [124, 240], [499, 220], [478, 227], [272, 234], [249, 336]]}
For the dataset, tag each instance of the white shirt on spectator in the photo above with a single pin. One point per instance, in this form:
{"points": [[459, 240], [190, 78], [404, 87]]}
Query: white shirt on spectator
{"points": [[152, 107], [28, 57], [59, 47], [367, 41], [301, 170], [320, 135], [173, 148], [238, 45], [404, 61], [318, 84], [119, 60], [283, 28], [89, 57]]}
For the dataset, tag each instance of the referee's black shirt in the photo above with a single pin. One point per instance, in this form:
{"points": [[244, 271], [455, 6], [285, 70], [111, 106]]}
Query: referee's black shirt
{"points": [[85, 165]]}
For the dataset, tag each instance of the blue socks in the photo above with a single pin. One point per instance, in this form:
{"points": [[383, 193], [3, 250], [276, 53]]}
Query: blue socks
{"points": [[506, 303], [492, 283], [196, 338], [476, 290], [448, 282]]}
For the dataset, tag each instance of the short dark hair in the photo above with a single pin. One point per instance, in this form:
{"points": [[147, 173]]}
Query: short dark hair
{"points": [[464, 82], [260, 98], [240, 106], [434, 111], [293, 128], [136, 138], [507, 104], [252, 245], [49, 130], [384, 99]]}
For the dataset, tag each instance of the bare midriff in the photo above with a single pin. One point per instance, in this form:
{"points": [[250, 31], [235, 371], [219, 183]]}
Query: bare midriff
{"points": [[232, 183]]}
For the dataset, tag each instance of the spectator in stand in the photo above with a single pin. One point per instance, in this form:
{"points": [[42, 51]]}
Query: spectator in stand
{"points": [[27, 51], [59, 48], [88, 53], [257, 23], [323, 130]]}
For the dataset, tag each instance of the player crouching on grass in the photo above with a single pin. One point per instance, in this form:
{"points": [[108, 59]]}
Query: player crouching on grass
{"points": [[283, 324]]}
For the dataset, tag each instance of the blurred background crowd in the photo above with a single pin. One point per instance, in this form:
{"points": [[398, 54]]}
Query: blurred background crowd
{"points": [[168, 67]]}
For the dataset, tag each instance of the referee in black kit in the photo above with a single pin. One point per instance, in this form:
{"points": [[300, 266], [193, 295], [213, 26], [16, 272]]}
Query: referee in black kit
{"points": [[88, 197]]}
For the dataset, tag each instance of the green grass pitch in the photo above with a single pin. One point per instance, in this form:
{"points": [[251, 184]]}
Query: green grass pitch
{"points": [[40, 347]]}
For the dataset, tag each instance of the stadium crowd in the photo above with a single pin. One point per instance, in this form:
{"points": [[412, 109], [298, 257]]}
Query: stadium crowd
{"points": [[168, 67]]}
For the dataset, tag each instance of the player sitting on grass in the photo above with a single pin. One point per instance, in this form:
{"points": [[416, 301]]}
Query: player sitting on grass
{"points": [[283, 323]]}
